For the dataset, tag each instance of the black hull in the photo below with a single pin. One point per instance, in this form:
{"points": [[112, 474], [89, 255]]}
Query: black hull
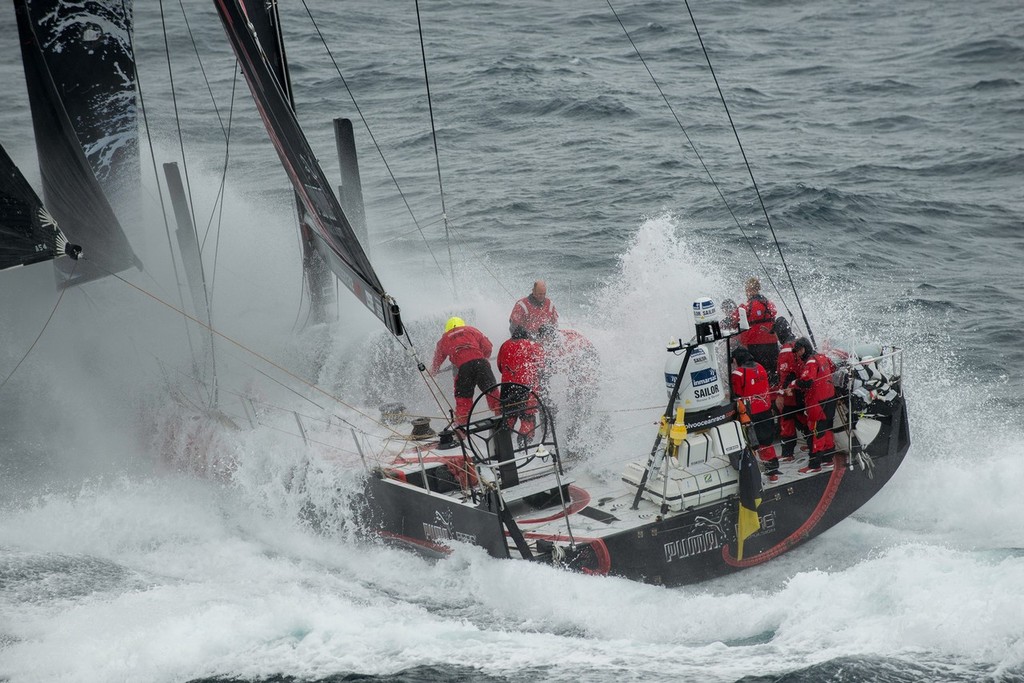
{"points": [[701, 544], [409, 516], [683, 548]]}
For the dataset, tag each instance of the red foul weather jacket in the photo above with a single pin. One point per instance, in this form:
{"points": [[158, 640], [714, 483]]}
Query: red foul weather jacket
{"points": [[531, 316], [521, 360], [751, 382], [790, 369], [461, 344], [761, 316], [816, 381]]}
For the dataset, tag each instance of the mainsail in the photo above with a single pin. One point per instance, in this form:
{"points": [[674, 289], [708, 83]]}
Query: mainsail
{"points": [[333, 236], [27, 232], [70, 187], [265, 24]]}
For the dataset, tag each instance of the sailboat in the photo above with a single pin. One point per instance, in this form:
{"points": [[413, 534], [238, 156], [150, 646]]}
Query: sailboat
{"points": [[694, 508]]}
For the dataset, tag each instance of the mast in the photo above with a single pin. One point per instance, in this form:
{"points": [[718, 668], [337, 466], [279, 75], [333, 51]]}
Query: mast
{"points": [[192, 260], [351, 190], [333, 237]]}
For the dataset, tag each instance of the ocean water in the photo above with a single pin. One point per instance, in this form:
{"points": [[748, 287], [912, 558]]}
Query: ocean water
{"points": [[887, 140]]}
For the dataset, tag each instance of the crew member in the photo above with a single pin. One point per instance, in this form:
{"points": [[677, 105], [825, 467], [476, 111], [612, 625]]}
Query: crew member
{"points": [[760, 340], [750, 381], [573, 355], [533, 311], [520, 360], [819, 403], [789, 400], [469, 351]]}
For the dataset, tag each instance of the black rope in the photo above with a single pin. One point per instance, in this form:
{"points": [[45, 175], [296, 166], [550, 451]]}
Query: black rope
{"points": [[437, 157], [707, 171], [366, 124], [750, 171], [209, 88]]}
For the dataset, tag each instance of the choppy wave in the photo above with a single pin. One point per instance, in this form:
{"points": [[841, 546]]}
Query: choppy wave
{"points": [[999, 51], [996, 84], [885, 143]]}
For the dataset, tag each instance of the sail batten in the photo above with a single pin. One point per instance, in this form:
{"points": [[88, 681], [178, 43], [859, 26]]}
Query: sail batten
{"points": [[332, 232]]}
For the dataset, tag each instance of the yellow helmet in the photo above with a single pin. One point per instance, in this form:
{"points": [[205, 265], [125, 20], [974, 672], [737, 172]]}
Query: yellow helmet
{"points": [[454, 322]]}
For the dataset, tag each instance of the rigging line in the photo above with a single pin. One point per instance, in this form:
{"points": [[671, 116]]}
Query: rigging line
{"points": [[281, 384], [437, 156], [308, 439], [366, 124], [177, 118], [406, 233], [693, 147], [460, 242], [479, 258], [267, 404], [328, 422], [159, 190], [289, 410], [750, 171], [199, 59], [429, 380], [223, 185], [243, 347], [188, 184], [39, 336]]}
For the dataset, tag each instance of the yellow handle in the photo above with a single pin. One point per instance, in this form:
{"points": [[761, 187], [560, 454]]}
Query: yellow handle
{"points": [[678, 431]]}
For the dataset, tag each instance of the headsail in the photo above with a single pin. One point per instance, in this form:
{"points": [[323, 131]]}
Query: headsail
{"points": [[27, 232], [333, 235], [87, 48], [70, 187]]}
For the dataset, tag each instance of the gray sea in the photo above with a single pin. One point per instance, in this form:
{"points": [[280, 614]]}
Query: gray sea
{"points": [[887, 141]]}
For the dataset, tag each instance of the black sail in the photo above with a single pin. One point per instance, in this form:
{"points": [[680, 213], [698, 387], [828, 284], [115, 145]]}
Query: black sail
{"points": [[88, 51], [265, 23], [333, 235], [26, 234], [70, 188]]}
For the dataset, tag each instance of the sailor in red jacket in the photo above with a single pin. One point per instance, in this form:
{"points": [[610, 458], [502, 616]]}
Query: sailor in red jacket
{"points": [[760, 340], [750, 381], [819, 403], [533, 311], [788, 401], [521, 360], [469, 351], [572, 355]]}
